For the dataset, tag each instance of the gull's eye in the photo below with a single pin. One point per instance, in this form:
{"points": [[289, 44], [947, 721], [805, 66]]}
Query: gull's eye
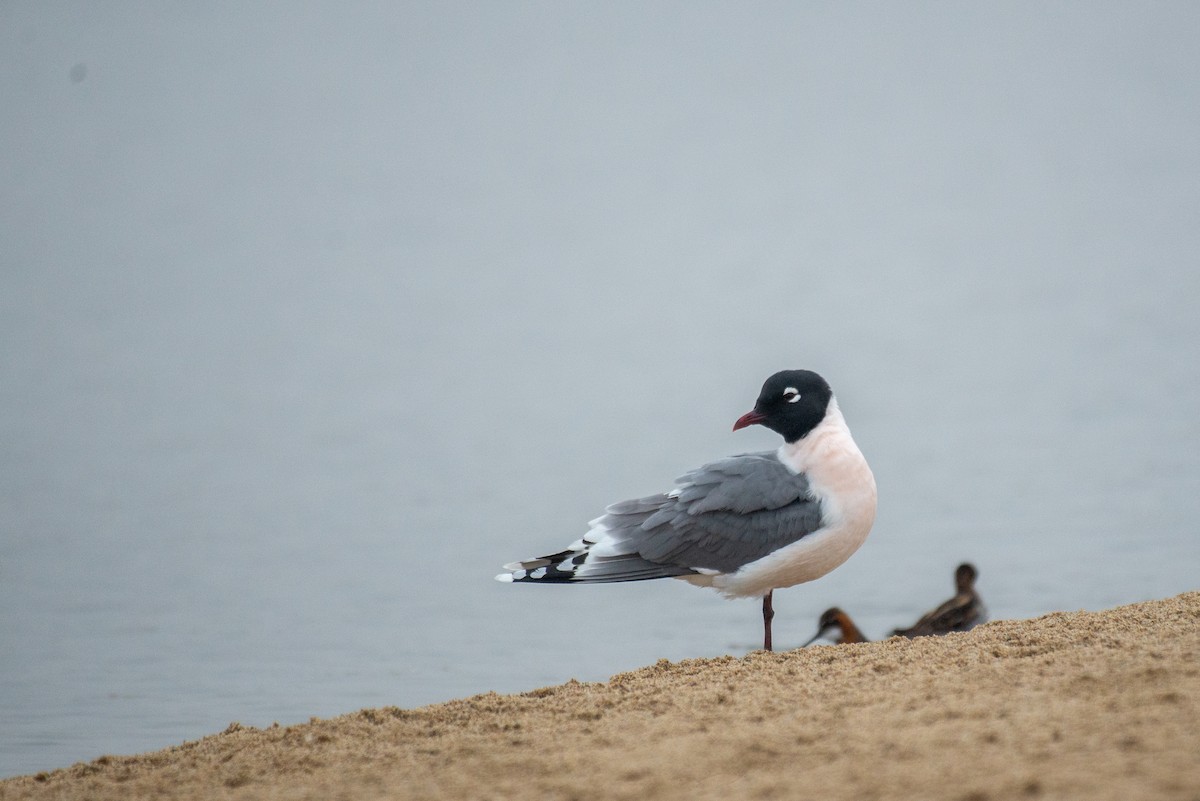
{"points": [[791, 395]]}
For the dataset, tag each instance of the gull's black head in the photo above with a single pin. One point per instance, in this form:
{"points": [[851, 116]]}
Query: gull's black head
{"points": [[964, 576], [791, 403]]}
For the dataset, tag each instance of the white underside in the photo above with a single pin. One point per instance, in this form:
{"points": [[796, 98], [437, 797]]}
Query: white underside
{"points": [[840, 478]]}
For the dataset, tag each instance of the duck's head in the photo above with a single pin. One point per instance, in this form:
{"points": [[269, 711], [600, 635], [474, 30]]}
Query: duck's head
{"points": [[964, 576], [830, 619]]}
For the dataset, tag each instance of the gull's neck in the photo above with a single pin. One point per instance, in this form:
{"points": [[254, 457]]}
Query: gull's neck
{"points": [[831, 434]]}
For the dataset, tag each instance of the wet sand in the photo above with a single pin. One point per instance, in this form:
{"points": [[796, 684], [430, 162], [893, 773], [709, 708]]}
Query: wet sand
{"points": [[1086, 705]]}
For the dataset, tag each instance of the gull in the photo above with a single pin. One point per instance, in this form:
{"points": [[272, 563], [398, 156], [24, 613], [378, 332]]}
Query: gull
{"points": [[745, 525]]}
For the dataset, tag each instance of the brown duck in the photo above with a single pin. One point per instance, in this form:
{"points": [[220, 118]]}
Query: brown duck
{"points": [[835, 619], [962, 612]]}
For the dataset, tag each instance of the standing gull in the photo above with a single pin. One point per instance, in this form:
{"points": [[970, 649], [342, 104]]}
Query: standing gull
{"points": [[745, 525]]}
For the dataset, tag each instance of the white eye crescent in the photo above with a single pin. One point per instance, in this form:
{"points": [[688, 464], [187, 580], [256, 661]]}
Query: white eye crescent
{"points": [[791, 394]]}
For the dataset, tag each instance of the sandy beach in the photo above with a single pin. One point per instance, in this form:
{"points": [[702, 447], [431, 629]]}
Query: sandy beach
{"points": [[1087, 705]]}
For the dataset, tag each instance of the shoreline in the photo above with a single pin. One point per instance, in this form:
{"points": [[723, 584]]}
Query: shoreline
{"points": [[1089, 705]]}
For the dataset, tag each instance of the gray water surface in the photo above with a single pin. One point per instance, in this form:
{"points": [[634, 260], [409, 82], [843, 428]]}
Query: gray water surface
{"points": [[314, 317]]}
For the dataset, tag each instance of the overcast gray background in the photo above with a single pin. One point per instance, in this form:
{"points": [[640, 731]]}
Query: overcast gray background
{"points": [[314, 314]]}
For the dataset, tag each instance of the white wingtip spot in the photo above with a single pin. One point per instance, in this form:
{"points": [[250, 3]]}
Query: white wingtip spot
{"points": [[608, 548], [539, 573], [506, 577]]}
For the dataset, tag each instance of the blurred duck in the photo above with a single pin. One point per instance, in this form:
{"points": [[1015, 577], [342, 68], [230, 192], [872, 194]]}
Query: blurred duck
{"points": [[962, 612], [835, 619]]}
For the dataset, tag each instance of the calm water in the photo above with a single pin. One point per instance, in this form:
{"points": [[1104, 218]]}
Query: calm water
{"points": [[312, 320]]}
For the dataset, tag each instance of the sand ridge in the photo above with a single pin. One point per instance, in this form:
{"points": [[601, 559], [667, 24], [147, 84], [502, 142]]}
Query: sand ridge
{"points": [[1095, 705]]}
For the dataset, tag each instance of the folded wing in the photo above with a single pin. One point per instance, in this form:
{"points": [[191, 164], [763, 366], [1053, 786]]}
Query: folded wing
{"points": [[720, 517]]}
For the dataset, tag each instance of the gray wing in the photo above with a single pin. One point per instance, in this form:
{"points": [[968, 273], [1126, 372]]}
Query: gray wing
{"points": [[723, 515]]}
